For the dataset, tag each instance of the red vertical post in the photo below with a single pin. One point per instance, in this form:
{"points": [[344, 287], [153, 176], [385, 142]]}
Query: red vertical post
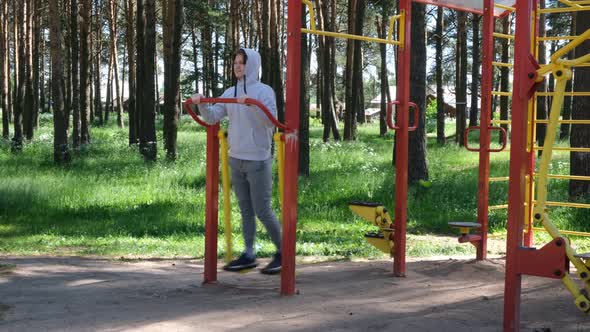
{"points": [[518, 163], [291, 146], [401, 141], [211, 205], [487, 71]]}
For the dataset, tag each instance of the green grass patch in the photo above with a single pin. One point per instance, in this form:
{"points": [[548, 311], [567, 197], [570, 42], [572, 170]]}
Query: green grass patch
{"points": [[110, 202]]}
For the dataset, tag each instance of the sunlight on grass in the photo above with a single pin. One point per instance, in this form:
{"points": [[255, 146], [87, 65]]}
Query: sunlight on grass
{"points": [[109, 202]]}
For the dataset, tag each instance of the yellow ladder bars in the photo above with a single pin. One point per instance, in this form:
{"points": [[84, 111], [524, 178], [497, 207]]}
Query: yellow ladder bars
{"points": [[389, 40], [561, 70]]}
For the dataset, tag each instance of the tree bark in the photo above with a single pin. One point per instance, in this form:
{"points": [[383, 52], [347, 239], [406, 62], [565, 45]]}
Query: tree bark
{"points": [[4, 68], [98, 107], [417, 164], [17, 140], [440, 98], [131, 104], [61, 152], [85, 11], [75, 75], [113, 10], [504, 78], [172, 75], [383, 73], [475, 66], [461, 78], [149, 110], [304, 107]]}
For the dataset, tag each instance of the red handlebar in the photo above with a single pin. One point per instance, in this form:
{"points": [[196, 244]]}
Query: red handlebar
{"points": [[248, 101], [500, 129], [390, 111]]}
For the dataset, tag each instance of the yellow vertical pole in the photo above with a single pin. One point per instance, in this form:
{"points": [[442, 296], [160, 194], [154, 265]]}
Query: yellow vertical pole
{"points": [[280, 145], [226, 184]]}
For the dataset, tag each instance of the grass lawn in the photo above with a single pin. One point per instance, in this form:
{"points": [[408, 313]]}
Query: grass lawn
{"points": [[109, 202]]}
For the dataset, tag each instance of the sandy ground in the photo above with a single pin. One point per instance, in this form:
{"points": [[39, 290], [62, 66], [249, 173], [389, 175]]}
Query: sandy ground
{"points": [[89, 294]]}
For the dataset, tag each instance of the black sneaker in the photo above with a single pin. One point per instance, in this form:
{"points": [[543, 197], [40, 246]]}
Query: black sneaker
{"points": [[243, 262], [274, 266]]}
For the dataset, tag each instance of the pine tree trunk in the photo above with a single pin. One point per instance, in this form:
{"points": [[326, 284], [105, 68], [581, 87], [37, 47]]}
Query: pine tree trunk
{"points": [[504, 78], [417, 165], [140, 82], [148, 112], [61, 152], [304, 107], [195, 56], [17, 140], [75, 74], [461, 78], [85, 11], [566, 113], [440, 97], [109, 102], [172, 75], [475, 66], [36, 42], [113, 10], [4, 74], [358, 86], [350, 92], [98, 107], [28, 97], [131, 105], [382, 31]]}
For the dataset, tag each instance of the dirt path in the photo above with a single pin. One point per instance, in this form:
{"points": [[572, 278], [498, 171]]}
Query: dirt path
{"points": [[89, 294]]}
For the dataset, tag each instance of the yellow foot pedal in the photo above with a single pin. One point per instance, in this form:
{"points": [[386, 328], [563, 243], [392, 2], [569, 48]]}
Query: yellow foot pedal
{"points": [[374, 213], [464, 226], [379, 241]]}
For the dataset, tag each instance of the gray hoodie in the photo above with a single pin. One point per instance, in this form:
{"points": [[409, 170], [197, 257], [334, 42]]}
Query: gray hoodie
{"points": [[250, 132]]}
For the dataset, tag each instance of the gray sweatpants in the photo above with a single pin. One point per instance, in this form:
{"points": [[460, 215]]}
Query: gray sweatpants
{"points": [[252, 183]]}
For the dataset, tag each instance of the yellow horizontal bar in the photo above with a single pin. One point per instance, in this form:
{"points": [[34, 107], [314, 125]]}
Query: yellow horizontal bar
{"points": [[582, 2], [569, 94], [501, 121], [498, 207], [508, 8], [563, 10], [565, 149], [502, 64], [566, 121], [557, 56], [349, 36], [503, 35], [567, 177], [502, 93], [557, 38], [502, 178], [540, 229], [566, 204]]}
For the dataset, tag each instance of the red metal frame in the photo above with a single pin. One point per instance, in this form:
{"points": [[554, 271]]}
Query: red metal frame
{"points": [[292, 109], [401, 141], [483, 146], [519, 163], [211, 196], [212, 181], [390, 111]]}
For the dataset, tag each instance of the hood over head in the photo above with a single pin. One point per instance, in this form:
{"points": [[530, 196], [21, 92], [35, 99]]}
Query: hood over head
{"points": [[251, 70]]}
